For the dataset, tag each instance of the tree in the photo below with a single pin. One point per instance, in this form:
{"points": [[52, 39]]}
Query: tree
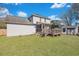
{"points": [[54, 24], [69, 16], [2, 25], [75, 9]]}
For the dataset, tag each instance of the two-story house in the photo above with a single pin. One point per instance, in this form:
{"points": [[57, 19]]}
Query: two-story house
{"points": [[15, 26], [42, 23]]}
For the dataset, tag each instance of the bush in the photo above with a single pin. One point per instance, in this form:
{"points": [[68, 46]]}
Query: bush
{"points": [[77, 34], [2, 25]]}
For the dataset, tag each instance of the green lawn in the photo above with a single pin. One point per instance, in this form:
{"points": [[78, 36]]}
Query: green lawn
{"points": [[35, 45]]}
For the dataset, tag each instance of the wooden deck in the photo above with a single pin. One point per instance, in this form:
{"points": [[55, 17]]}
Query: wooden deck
{"points": [[51, 32]]}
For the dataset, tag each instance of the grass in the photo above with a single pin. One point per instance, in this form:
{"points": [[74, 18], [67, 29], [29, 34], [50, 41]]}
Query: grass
{"points": [[33, 45]]}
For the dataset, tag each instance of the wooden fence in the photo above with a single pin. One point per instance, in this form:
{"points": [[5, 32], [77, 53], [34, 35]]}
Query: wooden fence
{"points": [[2, 32]]}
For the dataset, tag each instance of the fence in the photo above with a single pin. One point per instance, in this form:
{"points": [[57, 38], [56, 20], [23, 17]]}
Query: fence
{"points": [[2, 32]]}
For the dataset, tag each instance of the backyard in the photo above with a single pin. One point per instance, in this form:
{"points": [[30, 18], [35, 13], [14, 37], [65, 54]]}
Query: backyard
{"points": [[39, 46]]}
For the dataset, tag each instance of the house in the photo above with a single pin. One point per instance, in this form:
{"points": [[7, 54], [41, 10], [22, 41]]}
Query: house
{"points": [[16, 26], [41, 22], [77, 28], [69, 30], [64, 28], [36, 18]]}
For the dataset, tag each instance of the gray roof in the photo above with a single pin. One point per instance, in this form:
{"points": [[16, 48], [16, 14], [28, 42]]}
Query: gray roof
{"points": [[69, 27], [16, 20], [37, 15]]}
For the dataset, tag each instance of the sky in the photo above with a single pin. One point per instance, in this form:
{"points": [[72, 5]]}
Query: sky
{"points": [[51, 10]]}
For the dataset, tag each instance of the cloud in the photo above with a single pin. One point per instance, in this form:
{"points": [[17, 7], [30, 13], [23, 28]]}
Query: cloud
{"points": [[58, 5], [54, 17], [17, 4], [22, 14], [14, 3], [4, 12], [68, 5]]}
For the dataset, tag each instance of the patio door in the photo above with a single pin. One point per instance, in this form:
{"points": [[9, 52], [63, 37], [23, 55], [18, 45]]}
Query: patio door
{"points": [[38, 28], [78, 29]]}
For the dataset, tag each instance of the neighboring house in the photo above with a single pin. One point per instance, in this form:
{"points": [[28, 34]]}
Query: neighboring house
{"points": [[69, 30], [64, 28], [77, 28]]}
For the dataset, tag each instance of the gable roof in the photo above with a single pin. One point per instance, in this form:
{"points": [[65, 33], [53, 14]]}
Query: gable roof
{"points": [[37, 15], [16, 20]]}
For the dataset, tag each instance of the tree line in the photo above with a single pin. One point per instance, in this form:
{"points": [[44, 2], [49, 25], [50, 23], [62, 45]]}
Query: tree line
{"points": [[70, 16]]}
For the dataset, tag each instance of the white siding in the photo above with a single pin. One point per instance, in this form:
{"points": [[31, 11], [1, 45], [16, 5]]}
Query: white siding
{"points": [[15, 30], [42, 20], [76, 29], [36, 19], [48, 21]]}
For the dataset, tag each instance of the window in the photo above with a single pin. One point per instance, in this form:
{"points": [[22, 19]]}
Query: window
{"points": [[78, 29], [64, 30], [38, 28]]}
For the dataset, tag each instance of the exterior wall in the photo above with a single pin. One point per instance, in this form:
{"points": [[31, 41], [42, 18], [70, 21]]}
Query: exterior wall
{"points": [[30, 19], [36, 19], [69, 31], [76, 30], [42, 20], [16, 30], [64, 31], [48, 21]]}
